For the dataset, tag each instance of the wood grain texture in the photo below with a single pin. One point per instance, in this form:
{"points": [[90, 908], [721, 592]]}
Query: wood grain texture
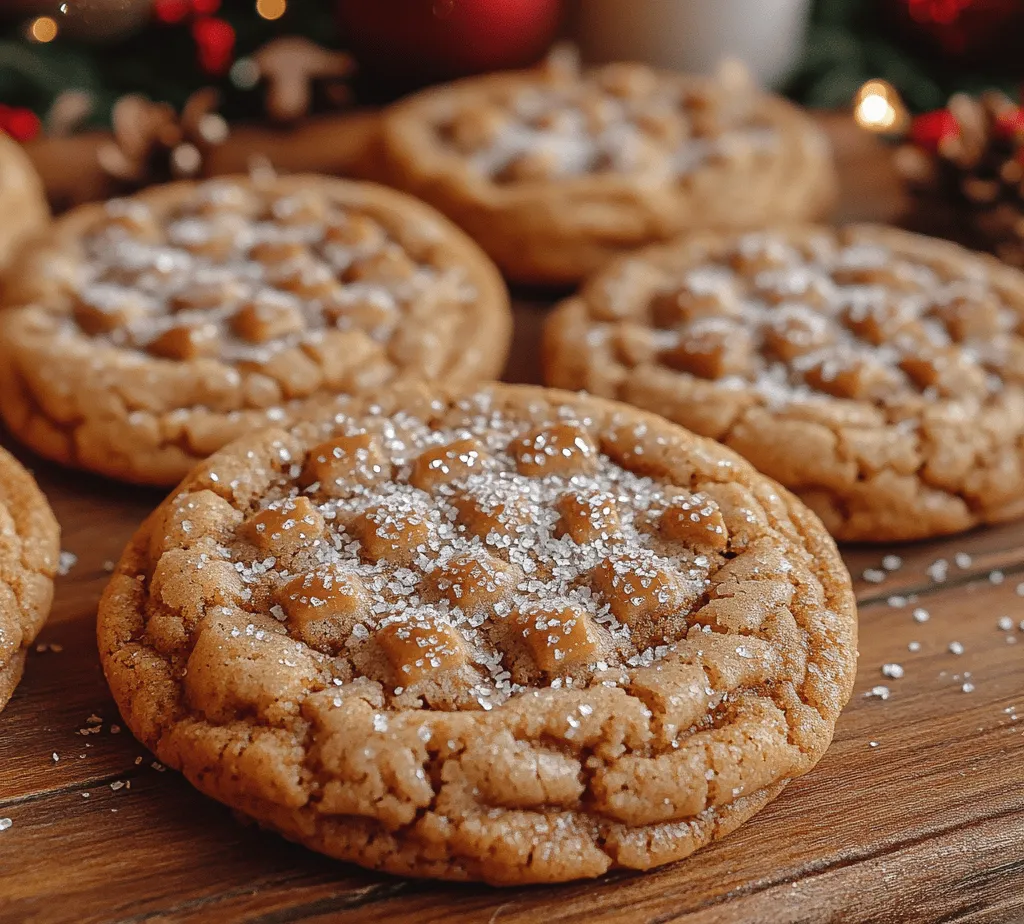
{"points": [[924, 825]]}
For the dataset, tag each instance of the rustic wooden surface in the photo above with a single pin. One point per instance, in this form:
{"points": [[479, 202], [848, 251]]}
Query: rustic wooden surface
{"points": [[916, 813]]}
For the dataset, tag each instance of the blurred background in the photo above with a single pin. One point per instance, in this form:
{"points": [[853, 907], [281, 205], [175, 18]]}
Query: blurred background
{"points": [[820, 52], [108, 95]]}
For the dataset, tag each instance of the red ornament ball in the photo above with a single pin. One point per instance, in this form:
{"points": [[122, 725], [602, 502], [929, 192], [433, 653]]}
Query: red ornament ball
{"points": [[422, 40]]}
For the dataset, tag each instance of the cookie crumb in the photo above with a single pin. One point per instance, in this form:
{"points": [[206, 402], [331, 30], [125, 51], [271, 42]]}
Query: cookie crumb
{"points": [[66, 562], [894, 671], [879, 692]]}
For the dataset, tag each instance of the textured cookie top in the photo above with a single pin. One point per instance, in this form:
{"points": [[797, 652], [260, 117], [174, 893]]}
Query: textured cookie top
{"points": [[555, 171], [876, 373], [542, 578], [155, 329], [29, 548], [864, 314], [618, 119], [243, 272]]}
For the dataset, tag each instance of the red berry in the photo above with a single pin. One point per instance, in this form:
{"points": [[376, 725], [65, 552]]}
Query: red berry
{"points": [[20, 124], [171, 11], [930, 129], [1009, 124], [215, 42]]}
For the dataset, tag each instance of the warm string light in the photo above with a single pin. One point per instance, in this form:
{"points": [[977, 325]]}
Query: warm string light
{"points": [[43, 29], [878, 108], [271, 9]]}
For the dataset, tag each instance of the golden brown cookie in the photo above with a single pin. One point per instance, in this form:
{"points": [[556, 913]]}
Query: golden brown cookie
{"points": [[157, 328], [876, 373], [554, 171], [29, 551], [22, 200], [518, 636]]}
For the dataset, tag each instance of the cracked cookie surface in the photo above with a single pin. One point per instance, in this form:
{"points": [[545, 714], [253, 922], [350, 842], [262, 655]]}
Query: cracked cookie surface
{"points": [[153, 330], [555, 170], [518, 635], [29, 552], [876, 373]]}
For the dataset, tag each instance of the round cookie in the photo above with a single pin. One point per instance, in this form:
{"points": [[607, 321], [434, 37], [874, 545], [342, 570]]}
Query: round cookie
{"points": [[153, 330], [29, 551], [22, 200], [877, 374], [519, 636], [554, 171]]}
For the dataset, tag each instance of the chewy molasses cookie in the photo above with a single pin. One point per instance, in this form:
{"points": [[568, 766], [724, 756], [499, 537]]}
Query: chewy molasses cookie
{"points": [[876, 373], [22, 200], [554, 170], [157, 328], [518, 636], [29, 550]]}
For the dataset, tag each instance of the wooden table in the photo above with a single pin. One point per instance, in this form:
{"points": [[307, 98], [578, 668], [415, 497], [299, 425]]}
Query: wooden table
{"points": [[915, 814]]}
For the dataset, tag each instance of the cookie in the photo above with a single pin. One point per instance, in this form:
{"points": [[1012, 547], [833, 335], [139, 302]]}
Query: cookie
{"points": [[22, 200], [29, 551], [553, 171], [877, 374], [153, 330], [518, 636]]}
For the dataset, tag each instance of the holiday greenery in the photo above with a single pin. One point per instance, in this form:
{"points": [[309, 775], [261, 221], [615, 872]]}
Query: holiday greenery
{"points": [[927, 49], [169, 49], [183, 46]]}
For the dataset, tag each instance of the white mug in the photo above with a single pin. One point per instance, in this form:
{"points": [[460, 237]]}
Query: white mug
{"points": [[695, 35]]}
